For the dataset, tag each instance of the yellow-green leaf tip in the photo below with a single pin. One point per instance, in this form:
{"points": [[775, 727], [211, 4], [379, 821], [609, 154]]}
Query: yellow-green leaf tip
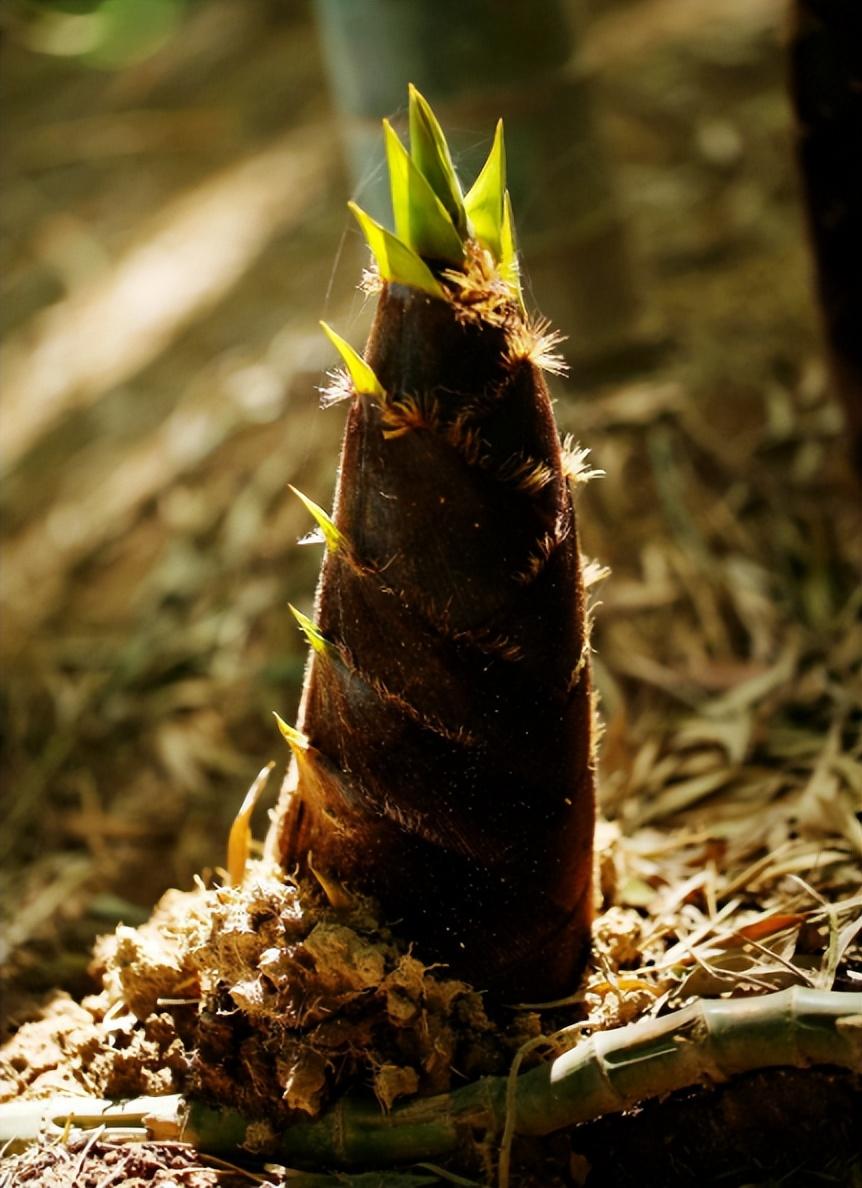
{"points": [[431, 156], [310, 630], [484, 203], [296, 740], [397, 262], [365, 382], [333, 537], [421, 219]]}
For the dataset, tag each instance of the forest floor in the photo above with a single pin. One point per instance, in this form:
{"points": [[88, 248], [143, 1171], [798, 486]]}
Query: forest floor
{"points": [[167, 251]]}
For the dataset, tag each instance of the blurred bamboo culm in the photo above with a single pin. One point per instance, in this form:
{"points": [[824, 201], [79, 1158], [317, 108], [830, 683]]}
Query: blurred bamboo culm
{"points": [[475, 61], [443, 756], [826, 86]]}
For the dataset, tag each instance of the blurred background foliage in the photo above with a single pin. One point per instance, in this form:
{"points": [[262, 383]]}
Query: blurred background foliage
{"points": [[101, 33], [172, 229]]}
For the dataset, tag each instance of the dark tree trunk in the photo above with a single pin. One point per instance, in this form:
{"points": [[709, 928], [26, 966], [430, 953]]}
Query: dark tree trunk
{"points": [[826, 86]]}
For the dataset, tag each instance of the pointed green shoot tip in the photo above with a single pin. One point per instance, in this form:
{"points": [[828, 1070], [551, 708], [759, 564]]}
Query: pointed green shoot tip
{"points": [[365, 382], [432, 158], [294, 738], [510, 269], [397, 262], [332, 536], [311, 631], [484, 203], [421, 219]]}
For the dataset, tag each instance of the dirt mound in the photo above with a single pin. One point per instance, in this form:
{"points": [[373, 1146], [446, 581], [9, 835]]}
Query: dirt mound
{"points": [[261, 996]]}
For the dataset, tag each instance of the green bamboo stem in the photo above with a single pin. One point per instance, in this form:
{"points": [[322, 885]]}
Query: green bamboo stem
{"points": [[706, 1043]]}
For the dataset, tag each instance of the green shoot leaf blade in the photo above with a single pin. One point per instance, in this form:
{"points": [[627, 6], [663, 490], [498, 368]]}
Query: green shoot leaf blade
{"points": [[421, 219], [432, 158], [484, 203], [333, 537], [311, 631], [510, 269], [365, 382], [294, 738], [397, 262]]}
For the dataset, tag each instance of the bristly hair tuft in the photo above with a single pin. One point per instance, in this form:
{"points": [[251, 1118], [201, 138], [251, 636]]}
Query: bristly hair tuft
{"points": [[526, 474], [408, 413], [593, 572], [540, 556], [576, 466], [340, 387], [537, 341], [477, 291], [466, 438], [491, 643], [371, 282]]}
